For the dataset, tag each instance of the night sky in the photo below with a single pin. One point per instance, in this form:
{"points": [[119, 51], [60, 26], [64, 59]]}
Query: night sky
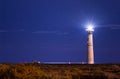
{"points": [[54, 30]]}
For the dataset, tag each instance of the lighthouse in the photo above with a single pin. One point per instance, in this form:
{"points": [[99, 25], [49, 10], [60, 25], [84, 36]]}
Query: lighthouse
{"points": [[90, 50]]}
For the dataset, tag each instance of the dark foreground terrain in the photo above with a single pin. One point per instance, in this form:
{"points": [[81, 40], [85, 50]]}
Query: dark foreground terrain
{"points": [[63, 71]]}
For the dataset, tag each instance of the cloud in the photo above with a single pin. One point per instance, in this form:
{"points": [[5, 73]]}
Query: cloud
{"points": [[115, 28], [51, 32], [36, 32], [3, 31], [109, 25], [62, 33], [44, 32], [21, 30]]}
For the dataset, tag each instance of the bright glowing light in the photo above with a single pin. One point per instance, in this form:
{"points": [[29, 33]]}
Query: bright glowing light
{"points": [[90, 28]]}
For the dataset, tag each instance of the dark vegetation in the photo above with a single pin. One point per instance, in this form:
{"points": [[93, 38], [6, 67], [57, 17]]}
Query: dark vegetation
{"points": [[60, 71]]}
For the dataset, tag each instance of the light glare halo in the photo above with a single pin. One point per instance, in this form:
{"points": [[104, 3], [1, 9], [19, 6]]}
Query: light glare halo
{"points": [[89, 28]]}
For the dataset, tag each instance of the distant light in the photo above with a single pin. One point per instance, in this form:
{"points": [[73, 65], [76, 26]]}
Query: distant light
{"points": [[90, 28]]}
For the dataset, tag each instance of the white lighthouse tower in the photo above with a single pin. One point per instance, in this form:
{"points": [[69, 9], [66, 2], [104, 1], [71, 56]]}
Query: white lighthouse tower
{"points": [[90, 51]]}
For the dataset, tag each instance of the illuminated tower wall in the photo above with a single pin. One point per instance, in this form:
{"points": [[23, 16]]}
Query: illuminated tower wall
{"points": [[90, 51]]}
